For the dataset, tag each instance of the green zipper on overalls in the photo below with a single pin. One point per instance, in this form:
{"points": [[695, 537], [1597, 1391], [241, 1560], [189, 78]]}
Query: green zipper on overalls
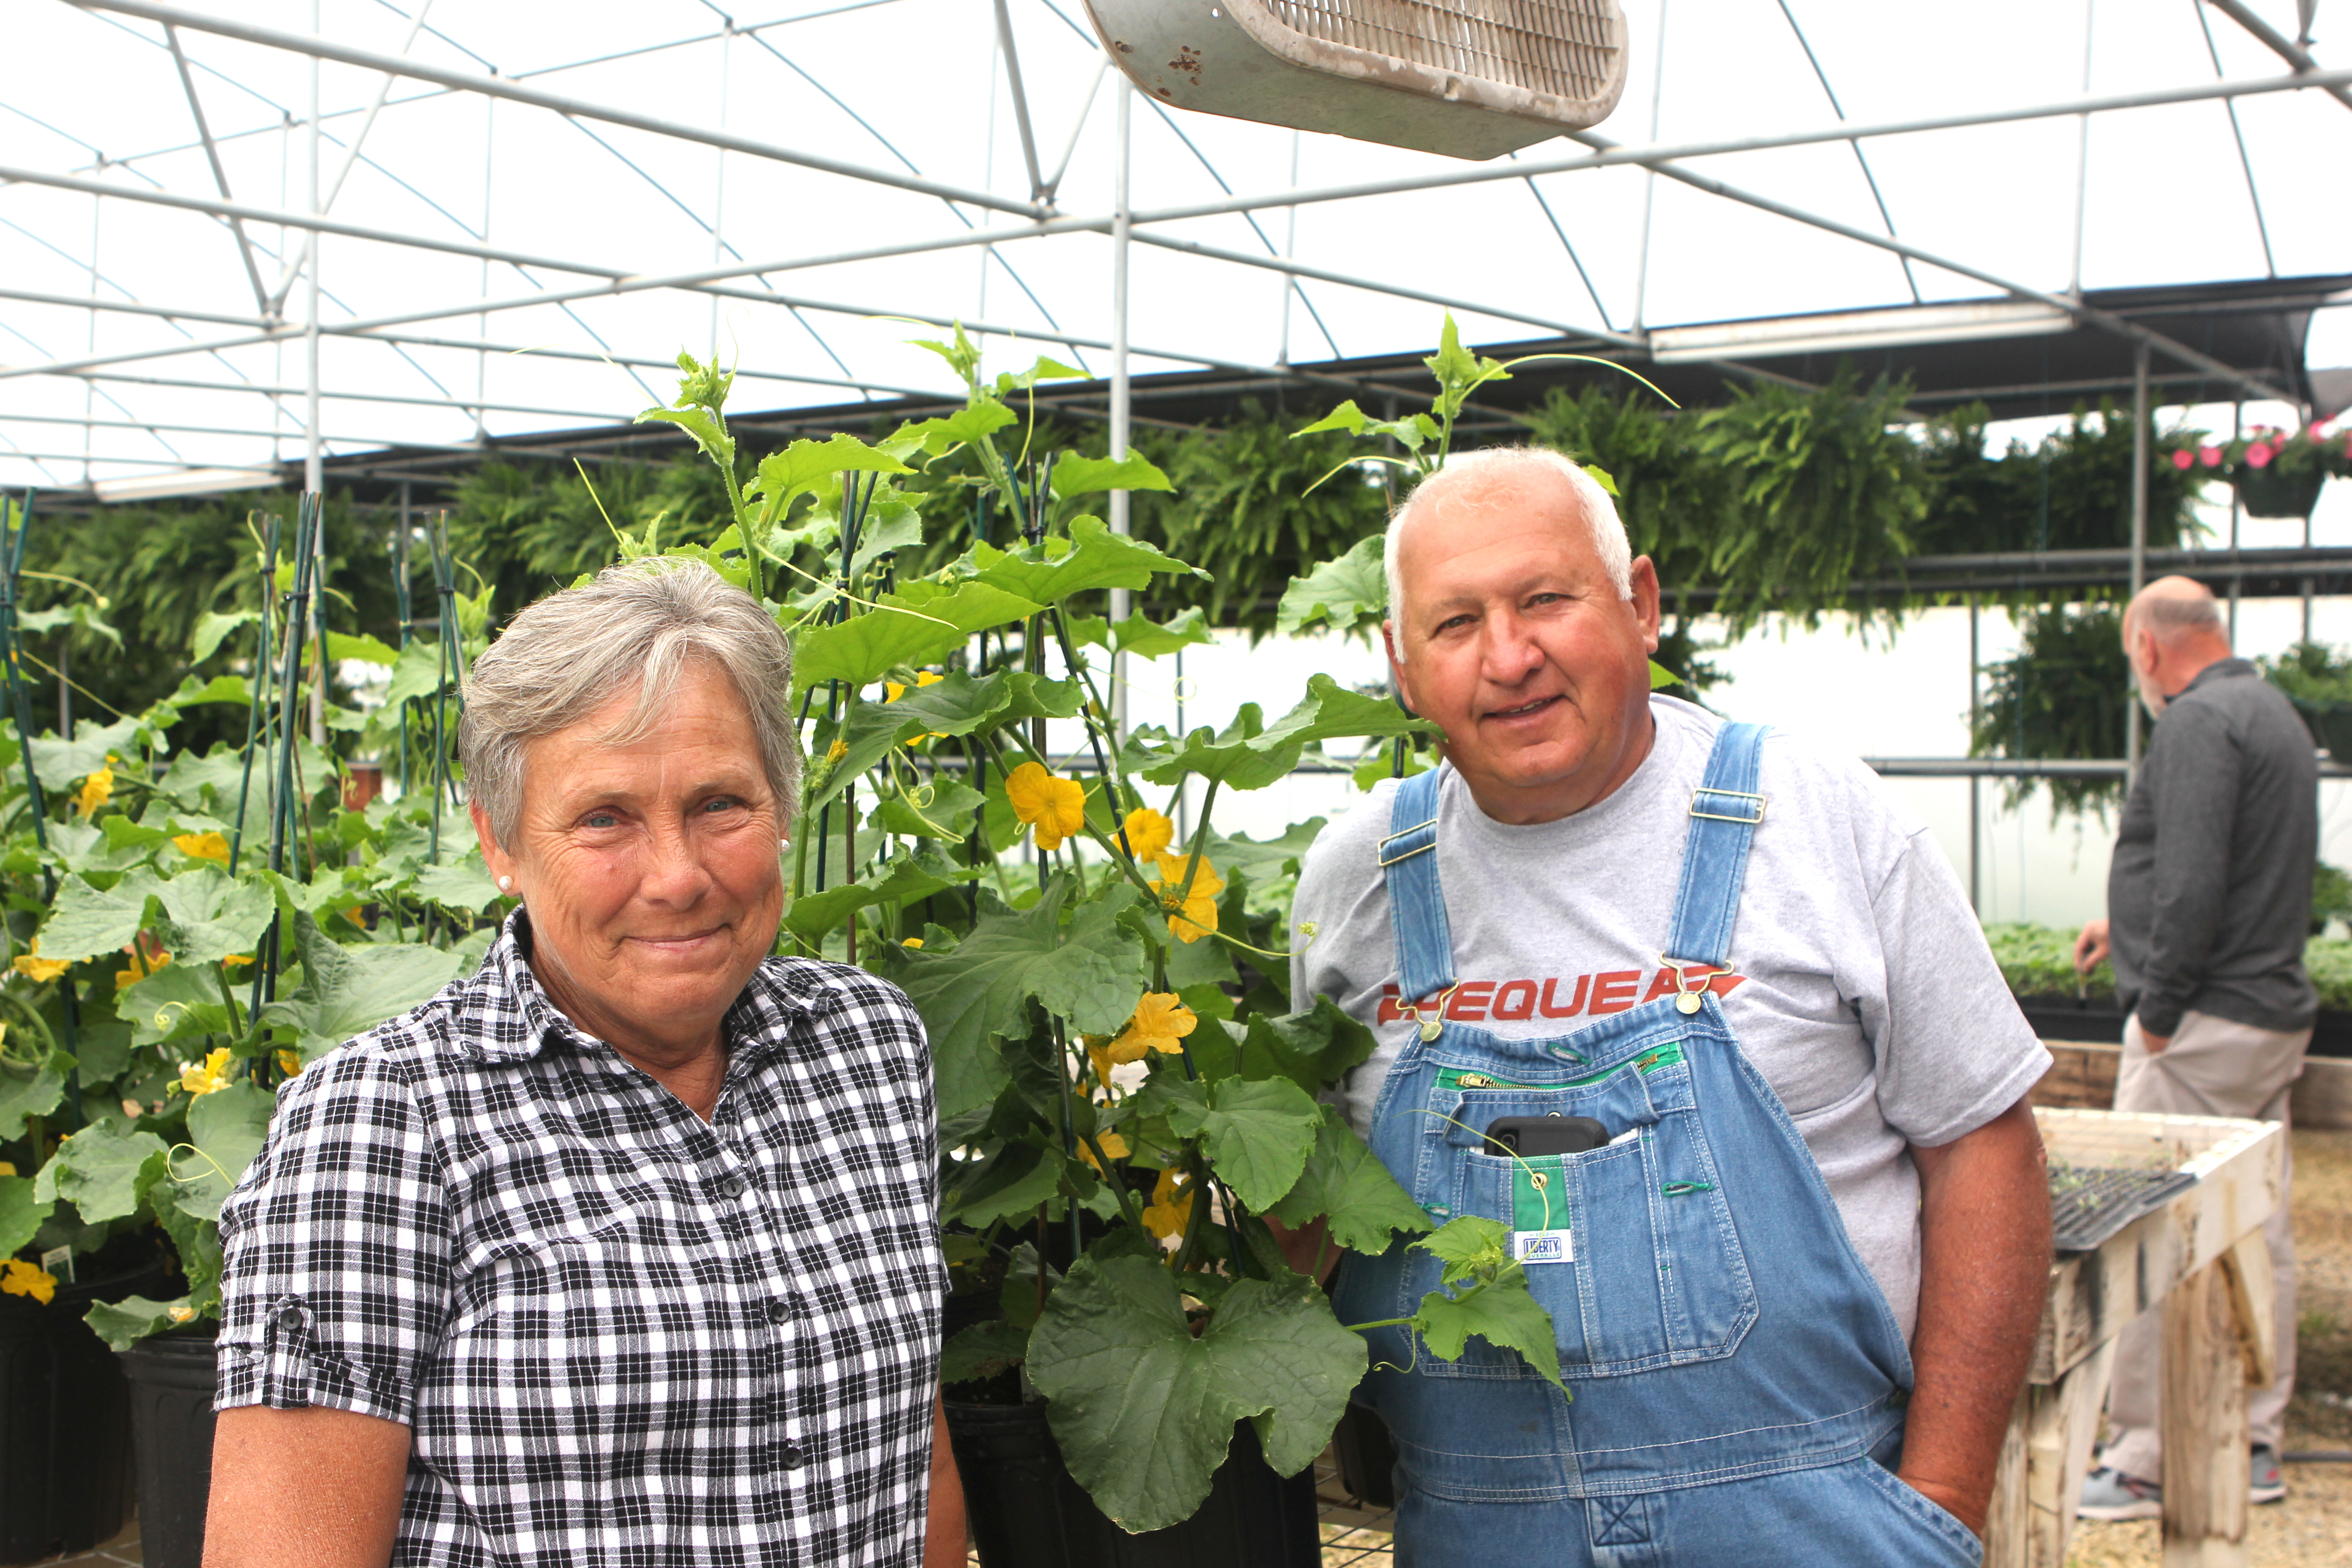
{"points": [[1456, 1080]]}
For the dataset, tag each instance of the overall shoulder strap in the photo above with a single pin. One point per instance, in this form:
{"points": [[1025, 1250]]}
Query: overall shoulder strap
{"points": [[1724, 810], [1416, 902]]}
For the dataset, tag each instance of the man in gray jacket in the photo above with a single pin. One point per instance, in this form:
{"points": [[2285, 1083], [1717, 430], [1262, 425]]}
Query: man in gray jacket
{"points": [[2209, 901]]}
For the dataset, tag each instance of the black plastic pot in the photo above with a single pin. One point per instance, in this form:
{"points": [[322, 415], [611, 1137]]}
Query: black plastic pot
{"points": [[171, 1382], [1025, 1511], [1366, 1456], [65, 1416], [2267, 492]]}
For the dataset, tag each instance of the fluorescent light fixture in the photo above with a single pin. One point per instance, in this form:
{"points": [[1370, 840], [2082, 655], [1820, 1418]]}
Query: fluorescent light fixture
{"points": [[182, 482], [1835, 331]]}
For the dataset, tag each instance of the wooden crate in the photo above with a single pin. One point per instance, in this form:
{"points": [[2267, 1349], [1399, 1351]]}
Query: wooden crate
{"points": [[2092, 1295], [2203, 1241]]}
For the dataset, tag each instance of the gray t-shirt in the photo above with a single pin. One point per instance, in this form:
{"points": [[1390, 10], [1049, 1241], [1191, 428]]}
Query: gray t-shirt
{"points": [[1861, 988]]}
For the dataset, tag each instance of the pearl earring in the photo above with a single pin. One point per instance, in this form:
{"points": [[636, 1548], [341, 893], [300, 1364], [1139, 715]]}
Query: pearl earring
{"points": [[505, 883]]}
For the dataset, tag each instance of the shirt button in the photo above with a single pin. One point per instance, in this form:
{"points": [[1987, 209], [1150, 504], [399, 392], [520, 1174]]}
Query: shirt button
{"points": [[734, 1183], [794, 1455], [780, 1311], [289, 1318]]}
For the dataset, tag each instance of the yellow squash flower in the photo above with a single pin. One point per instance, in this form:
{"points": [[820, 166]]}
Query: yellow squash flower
{"points": [[8, 1167], [910, 941], [1172, 1207], [95, 790], [1055, 807], [1148, 833], [1161, 1024], [140, 967], [25, 1279], [1113, 1145], [31, 965], [212, 1075], [289, 1063], [835, 752], [1193, 915], [894, 690], [203, 845]]}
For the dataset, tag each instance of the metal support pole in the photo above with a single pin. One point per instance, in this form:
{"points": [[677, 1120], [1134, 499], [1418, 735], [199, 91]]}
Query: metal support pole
{"points": [[1976, 800], [2082, 150], [1290, 253], [2237, 422], [314, 449], [2138, 531], [1650, 177], [1121, 235]]}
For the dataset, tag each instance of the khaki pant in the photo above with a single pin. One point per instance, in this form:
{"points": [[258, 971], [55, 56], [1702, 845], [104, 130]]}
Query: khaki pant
{"points": [[2212, 1068]]}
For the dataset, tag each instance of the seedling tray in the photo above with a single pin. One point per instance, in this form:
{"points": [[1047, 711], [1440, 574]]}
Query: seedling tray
{"points": [[2088, 1204]]}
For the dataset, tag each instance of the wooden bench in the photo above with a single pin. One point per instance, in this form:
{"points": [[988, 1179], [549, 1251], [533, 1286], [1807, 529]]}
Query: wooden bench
{"points": [[2200, 1257]]}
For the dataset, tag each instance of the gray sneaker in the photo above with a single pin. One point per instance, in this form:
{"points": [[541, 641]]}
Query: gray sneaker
{"points": [[2268, 1484], [2109, 1494]]}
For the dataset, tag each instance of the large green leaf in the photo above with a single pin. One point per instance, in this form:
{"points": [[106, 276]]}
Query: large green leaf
{"points": [[945, 812], [983, 1351], [869, 731], [1343, 594], [1091, 973], [709, 431], [1362, 1203], [1495, 1307], [226, 1127], [1310, 1048], [86, 921], [79, 614], [97, 1169], [212, 626], [959, 704], [804, 465], [29, 1088], [1092, 557], [58, 763], [1009, 1184], [903, 881], [212, 915], [1249, 753], [466, 885], [415, 672], [346, 644], [347, 990], [920, 624], [175, 1003], [1258, 1133], [21, 1214], [1077, 476], [1144, 1410], [973, 423], [124, 1323]]}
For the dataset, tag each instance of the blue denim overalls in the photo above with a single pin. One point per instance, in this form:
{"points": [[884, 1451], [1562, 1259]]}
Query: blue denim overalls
{"points": [[1737, 1375]]}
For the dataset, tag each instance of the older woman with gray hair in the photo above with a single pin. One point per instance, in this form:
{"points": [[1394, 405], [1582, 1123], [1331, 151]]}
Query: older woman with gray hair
{"points": [[623, 1250]]}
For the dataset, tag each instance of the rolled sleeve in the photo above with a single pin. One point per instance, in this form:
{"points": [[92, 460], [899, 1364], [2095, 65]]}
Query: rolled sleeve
{"points": [[336, 1247]]}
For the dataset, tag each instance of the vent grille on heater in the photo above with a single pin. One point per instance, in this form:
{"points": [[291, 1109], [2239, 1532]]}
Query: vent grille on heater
{"points": [[1470, 78], [1566, 48]]}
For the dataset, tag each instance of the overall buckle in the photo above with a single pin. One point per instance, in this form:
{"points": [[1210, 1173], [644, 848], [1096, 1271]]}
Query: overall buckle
{"points": [[1434, 1025], [1688, 997], [1745, 821]]}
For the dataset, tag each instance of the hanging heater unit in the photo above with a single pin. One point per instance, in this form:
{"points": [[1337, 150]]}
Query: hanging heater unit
{"points": [[1470, 78]]}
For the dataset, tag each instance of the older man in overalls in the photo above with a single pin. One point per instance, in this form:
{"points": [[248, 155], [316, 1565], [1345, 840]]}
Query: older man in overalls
{"points": [[1795, 1282]]}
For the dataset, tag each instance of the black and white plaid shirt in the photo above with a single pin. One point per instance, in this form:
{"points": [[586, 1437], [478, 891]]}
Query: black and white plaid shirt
{"points": [[619, 1335]]}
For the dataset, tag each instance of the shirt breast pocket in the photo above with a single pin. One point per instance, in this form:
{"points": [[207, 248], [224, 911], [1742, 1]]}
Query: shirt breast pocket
{"points": [[1631, 1247]]}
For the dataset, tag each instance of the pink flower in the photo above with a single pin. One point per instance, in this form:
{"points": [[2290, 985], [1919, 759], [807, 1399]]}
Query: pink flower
{"points": [[2209, 456], [2259, 456], [2181, 459]]}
